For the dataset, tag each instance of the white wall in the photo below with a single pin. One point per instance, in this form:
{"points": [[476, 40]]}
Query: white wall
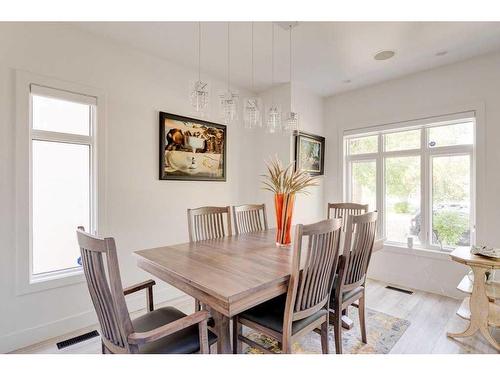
{"points": [[471, 84], [141, 211]]}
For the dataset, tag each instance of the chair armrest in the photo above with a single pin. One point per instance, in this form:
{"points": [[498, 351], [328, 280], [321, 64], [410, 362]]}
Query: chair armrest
{"points": [[139, 338], [136, 287], [148, 284]]}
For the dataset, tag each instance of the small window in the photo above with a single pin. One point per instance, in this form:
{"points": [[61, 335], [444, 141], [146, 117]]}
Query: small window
{"points": [[364, 145], [451, 135], [402, 198], [408, 140], [364, 183], [451, 200], [62, 179]]}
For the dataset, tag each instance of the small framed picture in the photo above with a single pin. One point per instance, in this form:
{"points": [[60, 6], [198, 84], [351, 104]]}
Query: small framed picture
{"points": [[310, 153], [191, 149]]}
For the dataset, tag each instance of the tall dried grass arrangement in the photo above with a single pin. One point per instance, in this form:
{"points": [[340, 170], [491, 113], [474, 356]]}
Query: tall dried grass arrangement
{"points": [[281, 180]]}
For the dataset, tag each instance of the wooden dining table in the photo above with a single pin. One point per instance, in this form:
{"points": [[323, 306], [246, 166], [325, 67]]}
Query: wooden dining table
{"points": [[229, 275]]}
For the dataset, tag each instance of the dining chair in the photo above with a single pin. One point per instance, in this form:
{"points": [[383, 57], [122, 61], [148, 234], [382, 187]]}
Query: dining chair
{"points": [[249, 218], [304, 307], [349, 283], [342, 210], [207, 223], [162, 331]]}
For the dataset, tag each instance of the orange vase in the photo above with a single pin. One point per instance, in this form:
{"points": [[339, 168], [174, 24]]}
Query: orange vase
{"points": [[284, 210]]}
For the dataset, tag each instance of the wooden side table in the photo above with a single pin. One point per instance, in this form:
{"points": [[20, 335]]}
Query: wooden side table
{"points": [[480, 308]]}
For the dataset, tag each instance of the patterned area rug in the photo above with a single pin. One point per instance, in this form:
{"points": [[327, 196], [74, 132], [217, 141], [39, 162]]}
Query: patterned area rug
{"points": [[383, 333]]}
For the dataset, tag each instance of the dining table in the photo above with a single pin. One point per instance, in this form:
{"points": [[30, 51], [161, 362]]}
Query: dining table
{"points": [[229, 275]]}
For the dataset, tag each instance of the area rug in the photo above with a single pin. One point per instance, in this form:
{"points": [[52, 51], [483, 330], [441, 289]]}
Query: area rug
{"points": [[383, 332]]}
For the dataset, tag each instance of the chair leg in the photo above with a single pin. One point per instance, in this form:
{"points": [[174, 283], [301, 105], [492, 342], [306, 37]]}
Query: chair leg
{"points": [[237, 331], [324, 337], [337, 328], [362, 317], [103, 348], [286, 345]]}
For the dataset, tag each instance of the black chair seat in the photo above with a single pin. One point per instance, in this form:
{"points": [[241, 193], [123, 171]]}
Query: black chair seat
{"points": [[182, 342], [270, 315]]}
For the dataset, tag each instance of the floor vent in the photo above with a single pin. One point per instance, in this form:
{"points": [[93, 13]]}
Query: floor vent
{"points": [[76, 340], [399, 289]]}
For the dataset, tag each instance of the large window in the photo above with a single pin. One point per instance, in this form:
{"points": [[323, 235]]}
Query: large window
{"points": [[419, 178], [62, 179]]}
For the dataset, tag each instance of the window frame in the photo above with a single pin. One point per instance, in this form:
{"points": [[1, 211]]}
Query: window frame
{"points": [[426, 154], [28, 84]]}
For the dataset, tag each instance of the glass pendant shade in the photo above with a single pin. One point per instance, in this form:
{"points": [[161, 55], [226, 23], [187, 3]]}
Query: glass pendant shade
{"points": [[252, 112], [199, 95], [291, 123], [229, 106], [273, 119]]}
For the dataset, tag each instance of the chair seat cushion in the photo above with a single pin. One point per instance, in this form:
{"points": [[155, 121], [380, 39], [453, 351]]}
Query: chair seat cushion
{"points": [[182, 342], [346, 295], [270, 314]]}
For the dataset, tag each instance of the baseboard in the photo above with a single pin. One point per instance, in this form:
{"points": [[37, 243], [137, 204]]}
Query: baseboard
{"points": [[33, 335]]}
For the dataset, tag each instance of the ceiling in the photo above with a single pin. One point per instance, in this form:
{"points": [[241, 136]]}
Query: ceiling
{"points": [[326, 54]]}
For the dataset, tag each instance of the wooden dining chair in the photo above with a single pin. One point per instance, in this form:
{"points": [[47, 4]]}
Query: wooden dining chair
{"points": [[304, 307], [349, 283], [207, 223], [165, 330], [249, 218], [342, 210]]}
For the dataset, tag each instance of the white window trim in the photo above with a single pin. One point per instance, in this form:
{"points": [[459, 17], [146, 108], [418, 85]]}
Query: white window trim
{"points": [[425, 154], [25, 282]]}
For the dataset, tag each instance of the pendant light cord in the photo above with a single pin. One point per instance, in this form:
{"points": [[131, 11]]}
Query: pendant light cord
{"points": [[199, 51], [291, 89], [253, 73], [228, 60], [272, 63]]}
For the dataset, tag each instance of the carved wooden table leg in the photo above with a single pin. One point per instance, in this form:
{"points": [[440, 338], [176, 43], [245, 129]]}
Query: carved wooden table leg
{"points": [[222, 327], [479, 309]]}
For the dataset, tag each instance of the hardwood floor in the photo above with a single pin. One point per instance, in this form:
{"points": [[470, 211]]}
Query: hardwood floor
{"points": [[431, 316]]}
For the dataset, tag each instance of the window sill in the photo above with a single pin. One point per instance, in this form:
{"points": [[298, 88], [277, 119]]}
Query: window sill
{"points": [[420, 252], [50, 281]]}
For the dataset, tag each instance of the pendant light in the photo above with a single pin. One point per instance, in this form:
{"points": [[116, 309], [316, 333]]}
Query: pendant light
{"points": [[199, 93], [229, 99], [273, 124], [292, 121], [252, 109]]}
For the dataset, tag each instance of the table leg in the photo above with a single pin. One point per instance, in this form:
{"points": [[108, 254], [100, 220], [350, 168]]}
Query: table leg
{"points": [[479, 309], [222, 328]]}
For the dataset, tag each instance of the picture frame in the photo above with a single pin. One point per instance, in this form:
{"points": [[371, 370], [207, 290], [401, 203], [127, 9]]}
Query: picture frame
{"points": [[191, 149], [310, 153]]}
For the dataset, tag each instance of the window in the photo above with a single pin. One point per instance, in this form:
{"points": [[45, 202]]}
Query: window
{"points": [[62, 179], [419, 177]]}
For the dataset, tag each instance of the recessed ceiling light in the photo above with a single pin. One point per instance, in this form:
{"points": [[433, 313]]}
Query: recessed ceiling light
{"points": [[441, 53], [384, 55]]}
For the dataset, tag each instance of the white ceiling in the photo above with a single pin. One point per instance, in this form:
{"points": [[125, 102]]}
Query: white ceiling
{"points": [[326, 54]]}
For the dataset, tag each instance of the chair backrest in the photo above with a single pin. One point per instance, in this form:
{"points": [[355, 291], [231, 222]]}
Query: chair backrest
{"points": [[207, 223], [359, 239], [313, 269], [106, 291], [249, 218], [343, 210]]}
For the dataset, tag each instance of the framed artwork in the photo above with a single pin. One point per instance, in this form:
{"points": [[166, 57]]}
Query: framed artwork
{"points": [[310, 153], [191, 149]]}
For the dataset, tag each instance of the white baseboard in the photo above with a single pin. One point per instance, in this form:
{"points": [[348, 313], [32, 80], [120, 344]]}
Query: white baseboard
{"points": [[33, 335]]}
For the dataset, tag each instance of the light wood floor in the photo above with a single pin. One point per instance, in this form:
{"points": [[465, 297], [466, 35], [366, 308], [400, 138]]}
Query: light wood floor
{"points": [[431, 316]]}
